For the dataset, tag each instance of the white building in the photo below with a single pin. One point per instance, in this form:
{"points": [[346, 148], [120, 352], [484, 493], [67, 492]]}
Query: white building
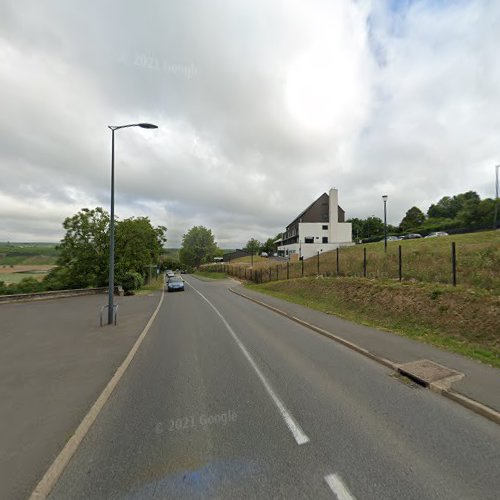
{"points": [[319, 228]]}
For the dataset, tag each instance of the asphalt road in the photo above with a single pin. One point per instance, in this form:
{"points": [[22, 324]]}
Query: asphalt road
{"points": [[54, 362], [226, 399]]}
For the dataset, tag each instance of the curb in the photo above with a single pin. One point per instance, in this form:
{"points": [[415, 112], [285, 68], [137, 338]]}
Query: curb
{"points": [[54, 472], [471, 404]]}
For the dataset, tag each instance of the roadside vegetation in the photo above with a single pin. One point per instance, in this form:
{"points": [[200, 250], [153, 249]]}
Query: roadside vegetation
{"points": [[458, 319], [423, 260], [424, 305], [81, 259], [210, 275]]}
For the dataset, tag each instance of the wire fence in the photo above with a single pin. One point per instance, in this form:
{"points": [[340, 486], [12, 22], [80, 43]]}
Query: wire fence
{"points": [[391, 265]]}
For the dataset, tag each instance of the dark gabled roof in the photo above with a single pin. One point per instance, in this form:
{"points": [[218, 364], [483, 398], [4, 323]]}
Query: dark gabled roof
{"points": [[306, 209]]}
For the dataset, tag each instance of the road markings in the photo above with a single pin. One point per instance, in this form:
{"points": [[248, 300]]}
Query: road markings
{"points": [[338, 487], [50, 478], [294, 427]]}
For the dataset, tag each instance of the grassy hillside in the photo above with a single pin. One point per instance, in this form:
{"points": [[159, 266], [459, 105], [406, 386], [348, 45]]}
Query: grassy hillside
{"points": [[458, 319], [424, 260]]}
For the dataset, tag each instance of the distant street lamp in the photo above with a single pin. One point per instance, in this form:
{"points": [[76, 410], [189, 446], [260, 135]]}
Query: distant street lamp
{"points": [[496, 197], [384, 197], [112, 221]]}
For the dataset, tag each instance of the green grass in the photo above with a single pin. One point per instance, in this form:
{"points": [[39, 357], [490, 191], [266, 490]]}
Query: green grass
{"points": [[153, 286], [17, 277], [424, 260], [28, 253], [248, 260], [209, 275], [456, 319]]}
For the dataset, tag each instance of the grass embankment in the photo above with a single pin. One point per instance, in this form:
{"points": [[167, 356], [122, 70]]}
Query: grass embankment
{"points": [[154, 285], [460, 319], [210, 275], [248, 260], [424, 260]]}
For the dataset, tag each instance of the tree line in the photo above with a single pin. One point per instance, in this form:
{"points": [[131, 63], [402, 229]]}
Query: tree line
{"points": [[464, 211]]}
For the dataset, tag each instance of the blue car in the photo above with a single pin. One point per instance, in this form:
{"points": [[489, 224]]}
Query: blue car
{"points": [[175, 284]]}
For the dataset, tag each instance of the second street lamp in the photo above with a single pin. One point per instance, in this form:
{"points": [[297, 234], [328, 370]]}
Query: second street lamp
{"points": [[384, 197], [111, 279]]}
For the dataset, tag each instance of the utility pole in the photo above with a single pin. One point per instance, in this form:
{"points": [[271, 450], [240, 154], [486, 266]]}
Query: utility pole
{"points": [[385, 222], [496, 197]]}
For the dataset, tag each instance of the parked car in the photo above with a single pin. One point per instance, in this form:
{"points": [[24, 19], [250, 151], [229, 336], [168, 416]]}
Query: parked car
{"points": [[264, 254], [411, 236], [392, 238], [175, 284], [437, 234]]}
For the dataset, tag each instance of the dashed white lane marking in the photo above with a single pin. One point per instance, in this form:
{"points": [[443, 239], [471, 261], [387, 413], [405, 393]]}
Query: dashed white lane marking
{"points": [[338, 487], [294, 427]]}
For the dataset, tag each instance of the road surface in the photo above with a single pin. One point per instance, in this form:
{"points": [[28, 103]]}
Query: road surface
{"points": [[226, 399]]}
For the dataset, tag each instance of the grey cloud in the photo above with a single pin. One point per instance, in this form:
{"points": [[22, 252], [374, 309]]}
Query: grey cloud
{"points": [[229, 153]]}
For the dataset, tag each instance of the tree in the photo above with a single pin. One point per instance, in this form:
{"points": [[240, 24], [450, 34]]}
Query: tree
{"points": [[373, 226], [268, 246], [477, 214], [137, 245], [84, 250], [414, 218], [198, 246], [252, 246], [367, 228], [448, 207]]}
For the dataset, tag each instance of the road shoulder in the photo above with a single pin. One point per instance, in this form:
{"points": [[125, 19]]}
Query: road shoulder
{"points": [[478, 388]]}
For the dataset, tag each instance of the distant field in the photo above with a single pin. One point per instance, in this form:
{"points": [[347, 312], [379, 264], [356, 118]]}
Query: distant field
{"points": [[14, 274], [27, 254], [424, 260]]}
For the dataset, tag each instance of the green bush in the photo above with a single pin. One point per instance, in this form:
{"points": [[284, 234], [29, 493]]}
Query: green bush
{"points": [[131, 281]]}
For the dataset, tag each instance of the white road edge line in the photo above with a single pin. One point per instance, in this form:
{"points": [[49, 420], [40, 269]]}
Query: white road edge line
{"points": [[338, 487], [50, 478], [294, 427]]}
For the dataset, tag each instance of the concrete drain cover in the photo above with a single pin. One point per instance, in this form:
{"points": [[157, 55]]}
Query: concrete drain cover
{"points": [[427, 372]]}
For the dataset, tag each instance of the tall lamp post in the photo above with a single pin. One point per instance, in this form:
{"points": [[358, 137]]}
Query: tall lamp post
{"points": [[496, 197], [111, 279], [384, 197]]}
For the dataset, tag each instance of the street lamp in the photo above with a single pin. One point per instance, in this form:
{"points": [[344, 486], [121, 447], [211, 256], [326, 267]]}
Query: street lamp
{"points": [[111, 279], [384, 197], [496, 197]]}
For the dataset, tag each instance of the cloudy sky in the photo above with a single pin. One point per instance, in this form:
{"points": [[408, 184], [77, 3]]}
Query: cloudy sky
{"points": [[262, 105]]}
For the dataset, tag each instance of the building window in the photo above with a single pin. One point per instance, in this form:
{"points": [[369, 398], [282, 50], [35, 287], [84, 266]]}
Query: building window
{"points": [[324, 227], [309, 239], [325, 239]]}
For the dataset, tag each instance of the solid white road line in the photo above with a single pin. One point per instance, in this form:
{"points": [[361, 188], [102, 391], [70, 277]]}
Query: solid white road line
{"points": [[294, 427], [338, 487], [50, 478]]}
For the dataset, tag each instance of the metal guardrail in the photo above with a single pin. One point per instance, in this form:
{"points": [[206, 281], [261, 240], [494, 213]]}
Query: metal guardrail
{"points": [[115, 313]]}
